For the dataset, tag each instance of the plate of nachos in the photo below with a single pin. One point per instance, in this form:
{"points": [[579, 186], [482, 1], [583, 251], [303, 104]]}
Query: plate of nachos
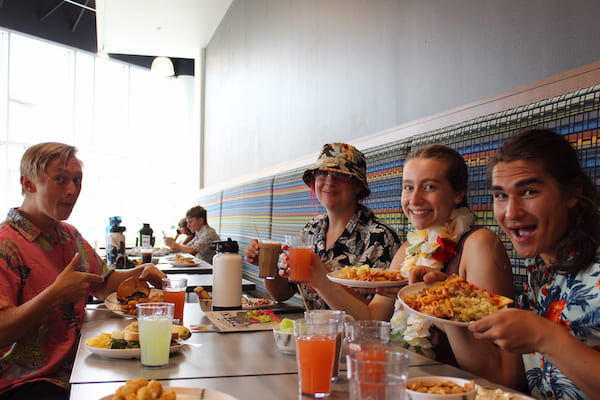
{"points": [[367, 277], [453, 301]]}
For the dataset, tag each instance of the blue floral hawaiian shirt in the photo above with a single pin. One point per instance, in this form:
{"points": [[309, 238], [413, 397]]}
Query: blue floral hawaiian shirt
{"points": [[571, 300]]}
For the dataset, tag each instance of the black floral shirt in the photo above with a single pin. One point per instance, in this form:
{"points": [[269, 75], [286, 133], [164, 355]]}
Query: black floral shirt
{"points": [[366, 240]]}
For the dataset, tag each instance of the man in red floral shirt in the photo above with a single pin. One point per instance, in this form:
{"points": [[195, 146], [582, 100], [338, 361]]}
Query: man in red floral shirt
{"points": [[47, 272]]}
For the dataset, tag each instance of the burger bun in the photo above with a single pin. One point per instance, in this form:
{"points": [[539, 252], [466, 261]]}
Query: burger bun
{"points": [[132, 288]]}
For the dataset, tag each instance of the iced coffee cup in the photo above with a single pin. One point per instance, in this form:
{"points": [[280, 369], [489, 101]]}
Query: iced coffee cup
{"points": [[268, 256]]}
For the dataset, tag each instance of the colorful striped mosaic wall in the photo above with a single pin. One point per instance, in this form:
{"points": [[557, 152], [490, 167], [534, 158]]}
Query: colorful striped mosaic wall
{"points": [[280, 204]]}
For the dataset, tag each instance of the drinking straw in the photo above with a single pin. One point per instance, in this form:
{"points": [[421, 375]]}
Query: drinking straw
{"points": [[302, 296], [257, 234]]}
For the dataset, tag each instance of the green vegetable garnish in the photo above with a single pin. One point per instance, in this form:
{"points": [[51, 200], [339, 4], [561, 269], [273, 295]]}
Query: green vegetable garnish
{"points": [[286, 325]]}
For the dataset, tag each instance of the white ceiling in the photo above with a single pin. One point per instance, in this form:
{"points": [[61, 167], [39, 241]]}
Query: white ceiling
{"points": [[172, 28]]}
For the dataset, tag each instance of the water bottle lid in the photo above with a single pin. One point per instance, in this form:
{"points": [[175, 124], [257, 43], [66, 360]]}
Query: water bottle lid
{"points": [[117, 228], [229, 246], [114, 220]]}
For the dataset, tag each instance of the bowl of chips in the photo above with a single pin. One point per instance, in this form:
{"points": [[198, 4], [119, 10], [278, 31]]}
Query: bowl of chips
{"points": [[440, 388]]}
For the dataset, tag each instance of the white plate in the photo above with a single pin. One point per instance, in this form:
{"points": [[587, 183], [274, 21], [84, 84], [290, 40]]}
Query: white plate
{"points": [[248, 303], [416, 287], [333, 276], [195, 263], [113, 304], [184, 393], [125, 353]]}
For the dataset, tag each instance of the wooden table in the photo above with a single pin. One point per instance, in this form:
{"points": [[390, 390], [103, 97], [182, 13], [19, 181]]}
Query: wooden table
{"points": [[244, 365]]}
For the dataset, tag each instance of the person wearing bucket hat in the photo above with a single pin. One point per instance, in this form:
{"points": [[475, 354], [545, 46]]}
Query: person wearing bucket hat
{"points": [[344, 159], [348, 234], [444, 238]]}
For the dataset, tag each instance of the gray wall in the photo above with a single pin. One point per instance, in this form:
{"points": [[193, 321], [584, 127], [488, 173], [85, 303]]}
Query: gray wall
{"points": [[285, 76]]}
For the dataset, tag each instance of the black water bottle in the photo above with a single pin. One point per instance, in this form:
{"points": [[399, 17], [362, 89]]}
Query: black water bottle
{"points": [[146, 238]]}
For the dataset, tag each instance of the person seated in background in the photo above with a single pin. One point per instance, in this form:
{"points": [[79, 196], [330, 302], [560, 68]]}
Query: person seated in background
{"points": [[47, 272], [434, 186], [550, 210], [204, 235], [184, 235], [349, 234]]}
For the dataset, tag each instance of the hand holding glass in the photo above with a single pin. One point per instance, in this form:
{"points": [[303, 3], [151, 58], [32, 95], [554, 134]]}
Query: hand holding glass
{"points": [[300, 249], [268, 255]]}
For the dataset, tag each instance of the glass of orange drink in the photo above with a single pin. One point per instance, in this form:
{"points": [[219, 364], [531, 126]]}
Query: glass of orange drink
{"points": [[315, 355], [377, 374], [300, 249], [174, 291]]}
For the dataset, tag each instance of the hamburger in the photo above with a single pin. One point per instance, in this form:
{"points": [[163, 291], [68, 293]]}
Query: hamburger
{"points": [[132, 289]]}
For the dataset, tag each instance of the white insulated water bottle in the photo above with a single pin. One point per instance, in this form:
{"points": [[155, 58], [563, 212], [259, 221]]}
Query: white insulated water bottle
{"points": [[227, 276]]}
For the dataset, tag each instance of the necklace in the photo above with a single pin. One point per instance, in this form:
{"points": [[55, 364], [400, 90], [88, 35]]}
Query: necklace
{"points": [[432, 247]]}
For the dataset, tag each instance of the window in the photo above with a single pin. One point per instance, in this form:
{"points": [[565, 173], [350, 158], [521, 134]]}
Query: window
{"points": [[133, 131]]}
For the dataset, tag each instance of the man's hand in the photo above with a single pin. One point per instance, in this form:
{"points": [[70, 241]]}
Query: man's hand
{"points": [[71, 285], [171, 243], [426, 274], [252, 251], [153, 275]]}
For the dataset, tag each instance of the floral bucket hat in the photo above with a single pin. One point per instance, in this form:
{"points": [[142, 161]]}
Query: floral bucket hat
{"points": [[342, 158]]}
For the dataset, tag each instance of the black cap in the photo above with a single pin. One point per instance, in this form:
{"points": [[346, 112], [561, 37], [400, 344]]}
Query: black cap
{"points": [[229, 246]]}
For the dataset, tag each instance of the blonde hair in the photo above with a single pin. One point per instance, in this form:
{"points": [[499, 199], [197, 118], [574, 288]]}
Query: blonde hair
{"points": [[36, 158]]}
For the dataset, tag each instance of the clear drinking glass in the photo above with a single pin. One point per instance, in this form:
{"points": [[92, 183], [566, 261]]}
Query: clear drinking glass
{"points": [[341, 318], [377, 374], [315, 354], [174, 291], [155, 325], [300, 249], [361, 335]]}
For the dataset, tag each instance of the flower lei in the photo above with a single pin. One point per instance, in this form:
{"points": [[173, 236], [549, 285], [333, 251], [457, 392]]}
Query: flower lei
{"points": [[435, 246], [430, 247]]}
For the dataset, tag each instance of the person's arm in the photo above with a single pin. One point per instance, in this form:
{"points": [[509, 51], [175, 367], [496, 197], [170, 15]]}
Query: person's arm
{"points": [[485, 264], [519, 332], [173, 245], [70, 286], [381, 307], [280, 288]]}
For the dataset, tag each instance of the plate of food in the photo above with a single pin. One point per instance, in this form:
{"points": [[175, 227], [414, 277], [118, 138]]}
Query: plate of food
{"points": [[131, 390], [185, 263], [180, 260], [367, 277], [252, 303], [129, 293], [486, 393], [125, 344], [453, 301]]}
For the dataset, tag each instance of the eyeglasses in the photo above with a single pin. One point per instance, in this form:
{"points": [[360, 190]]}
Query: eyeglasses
{"points": [[337, 176]]}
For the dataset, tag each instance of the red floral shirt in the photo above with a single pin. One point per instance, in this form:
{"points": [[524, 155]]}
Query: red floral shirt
{"points": [[28, 264]]}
